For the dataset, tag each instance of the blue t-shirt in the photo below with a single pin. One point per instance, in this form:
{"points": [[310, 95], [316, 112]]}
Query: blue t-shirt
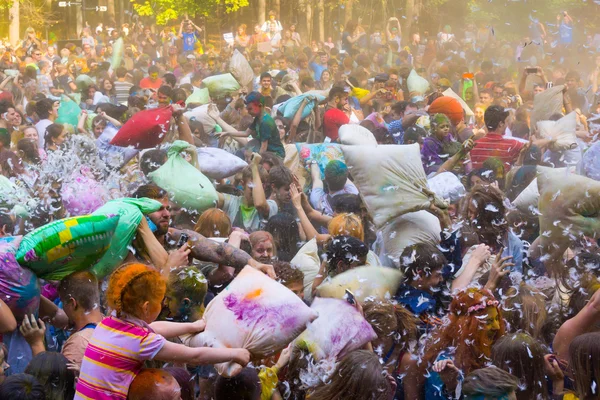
{"points": [[189, 41], [318, 69], [566, 33]]}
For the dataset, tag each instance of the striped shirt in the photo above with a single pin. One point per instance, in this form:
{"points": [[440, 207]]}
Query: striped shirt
{"points": [[494, 145], [114, 356]]}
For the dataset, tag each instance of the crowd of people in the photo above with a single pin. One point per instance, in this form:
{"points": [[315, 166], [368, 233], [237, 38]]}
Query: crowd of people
{"points": [[481, 310]]}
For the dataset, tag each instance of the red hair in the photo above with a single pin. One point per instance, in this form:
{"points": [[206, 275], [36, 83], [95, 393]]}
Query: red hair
{"points": [[463, 331], [131, 285]]}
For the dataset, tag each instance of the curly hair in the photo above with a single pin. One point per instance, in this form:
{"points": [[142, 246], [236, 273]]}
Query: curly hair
{"points": [[131, 285], [462, 330]]}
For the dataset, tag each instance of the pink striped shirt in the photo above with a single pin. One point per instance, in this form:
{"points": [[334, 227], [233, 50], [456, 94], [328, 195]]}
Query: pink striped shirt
{"points": [[114, 356]]}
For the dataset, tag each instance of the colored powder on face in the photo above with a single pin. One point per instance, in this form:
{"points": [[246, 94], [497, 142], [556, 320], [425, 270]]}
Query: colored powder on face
{"points": [[253, 314]]}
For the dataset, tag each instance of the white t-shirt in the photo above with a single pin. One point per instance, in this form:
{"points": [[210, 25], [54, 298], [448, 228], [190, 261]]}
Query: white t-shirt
{"points": [[41, 130]]}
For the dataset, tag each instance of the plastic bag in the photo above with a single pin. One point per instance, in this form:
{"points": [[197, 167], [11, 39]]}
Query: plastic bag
{"points": [[146, 129], [198, 96], [569, 210], [546, 103], [82, 194], [241, 69], [290, 107], [62, 247], [356, 135], [307, 260], [339, 330], [218, 164], [68, 112], [391, 180], [447, 186], [200, 114], [130, 212], [19, 287], [220, 86], [113, 156], [187, 186], [417, 85], [322, 153], [406, 230], [254, 312], [378, 282], [562, 131]]}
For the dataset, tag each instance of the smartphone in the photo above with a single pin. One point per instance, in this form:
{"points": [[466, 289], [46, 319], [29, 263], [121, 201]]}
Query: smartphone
{"points": [[350, 297], [531, 70], [182, 239], [151, 224], [549, 85], [468, 75]]}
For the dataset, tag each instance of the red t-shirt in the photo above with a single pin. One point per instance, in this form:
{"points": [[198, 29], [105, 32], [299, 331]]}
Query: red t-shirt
{"points": [[146, 83], [332, 120], [494, 145]]}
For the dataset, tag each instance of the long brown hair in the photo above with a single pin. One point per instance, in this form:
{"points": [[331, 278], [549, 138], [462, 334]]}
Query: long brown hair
{"points": [[213, 223], [584, 353], [490, 222], [389, 319], [522, 356], [524, 309], [358, 376], [462, 330]]}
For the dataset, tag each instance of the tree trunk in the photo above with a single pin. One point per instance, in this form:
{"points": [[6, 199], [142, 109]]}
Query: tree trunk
{"points": [[321, 10], [13, 29], [79, 19], [309, 21], [348, 13], [261, 11], [110, 21], [409, 11], [277, 8]]}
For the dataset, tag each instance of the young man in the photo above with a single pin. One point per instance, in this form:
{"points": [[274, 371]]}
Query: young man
{"points": [[336, 176], [122, 86], [263, 129], [335, 116], [494, 143], [189, 34], [152, 81], [320, 66], [290, 277], [47, 111], [80, 296]]}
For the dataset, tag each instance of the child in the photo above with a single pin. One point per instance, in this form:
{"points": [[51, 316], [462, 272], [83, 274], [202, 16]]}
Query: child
{"points": [[122, 342]]}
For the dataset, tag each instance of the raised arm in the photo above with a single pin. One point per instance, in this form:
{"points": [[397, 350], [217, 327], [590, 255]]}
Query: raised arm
{"points": [[258, 192], [583, 322], [296, 121]]}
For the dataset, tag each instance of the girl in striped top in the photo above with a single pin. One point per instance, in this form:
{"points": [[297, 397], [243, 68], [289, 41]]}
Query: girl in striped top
{"points": [[122, 342]]}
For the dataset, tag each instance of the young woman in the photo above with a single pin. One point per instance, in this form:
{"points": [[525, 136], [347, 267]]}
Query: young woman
{"points": [[55, 136], [326, 81], [51, 370]]}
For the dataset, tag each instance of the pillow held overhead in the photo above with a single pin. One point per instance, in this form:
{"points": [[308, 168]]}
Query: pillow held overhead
{"points": [[356, 135], [391, 180], [562, 131]]}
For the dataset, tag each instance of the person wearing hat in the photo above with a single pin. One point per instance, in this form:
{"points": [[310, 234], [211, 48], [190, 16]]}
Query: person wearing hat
{"points": [[494, 143], [263, 128]]}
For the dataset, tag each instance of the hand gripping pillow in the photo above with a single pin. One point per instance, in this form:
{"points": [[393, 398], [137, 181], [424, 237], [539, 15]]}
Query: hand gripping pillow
{"points": [[562, 131], [569, 205], [356, 135], [62, 247], [130, 212], [307, 261], [187, 186], [365, 282], [220, 86], [255, 313], [391, 180], [19, 287], [241, 69], [217, 163], [146, 129], [290, 107], [339, 330]]}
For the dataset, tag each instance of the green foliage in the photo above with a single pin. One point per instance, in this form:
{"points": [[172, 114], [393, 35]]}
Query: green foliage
{"points": [[5, 4], [165, 11]]}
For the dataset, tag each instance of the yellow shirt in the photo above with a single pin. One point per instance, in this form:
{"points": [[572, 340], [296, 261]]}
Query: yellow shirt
{"points": [[268, 380]]}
